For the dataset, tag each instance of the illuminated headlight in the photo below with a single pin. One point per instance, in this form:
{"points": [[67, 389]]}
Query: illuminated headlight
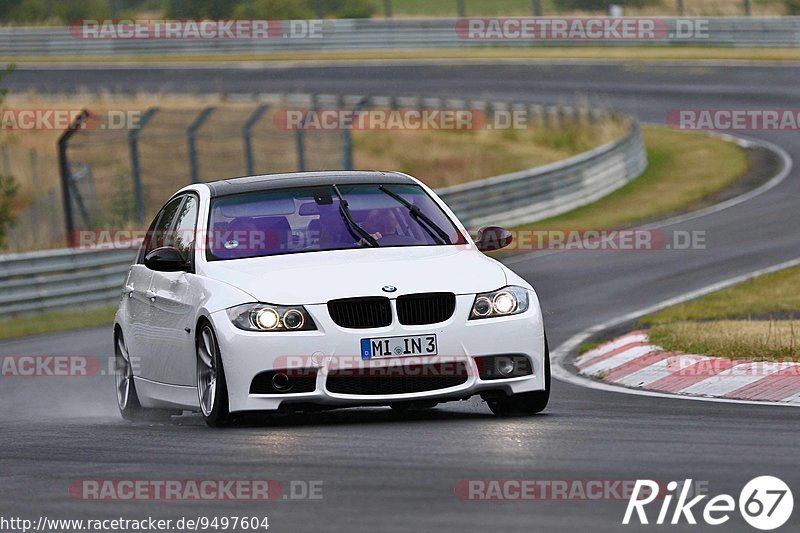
{"points": [[268, 317], [503, 302]]}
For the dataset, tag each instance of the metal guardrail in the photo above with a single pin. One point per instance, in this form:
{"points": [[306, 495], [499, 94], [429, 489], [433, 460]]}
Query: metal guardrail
{"points": [[541, 192], [61, 278], [75, 278], [365, 34]]}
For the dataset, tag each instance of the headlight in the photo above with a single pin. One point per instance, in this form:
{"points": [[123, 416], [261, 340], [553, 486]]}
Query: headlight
{"points": [[268, 317], [503, 302]]}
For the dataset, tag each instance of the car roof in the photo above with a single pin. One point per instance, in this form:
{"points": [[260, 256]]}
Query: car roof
{"points": [[290, 180]]}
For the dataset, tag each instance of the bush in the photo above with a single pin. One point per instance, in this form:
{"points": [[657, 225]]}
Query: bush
{"points": [[68, 11], [348, 9], [274, 9], [792, 7], [602, 5], [8, 191], [200, 9]]}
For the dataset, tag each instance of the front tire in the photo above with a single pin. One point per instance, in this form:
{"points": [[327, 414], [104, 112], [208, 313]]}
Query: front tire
{"points": [[212, 391], [526, 403], [127, 399]]}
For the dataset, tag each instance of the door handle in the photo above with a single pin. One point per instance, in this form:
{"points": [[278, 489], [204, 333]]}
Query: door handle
{"points": [[151, 295]]}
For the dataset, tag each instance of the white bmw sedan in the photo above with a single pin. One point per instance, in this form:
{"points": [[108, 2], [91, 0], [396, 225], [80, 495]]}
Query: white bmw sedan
{"points": [[317, 290]]}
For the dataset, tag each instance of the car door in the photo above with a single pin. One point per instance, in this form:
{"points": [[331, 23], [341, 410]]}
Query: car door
{"points": [[174, 301], [142, 341]]}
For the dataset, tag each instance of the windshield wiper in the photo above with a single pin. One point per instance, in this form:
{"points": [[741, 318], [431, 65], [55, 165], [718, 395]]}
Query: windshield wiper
{"points": [[429, 225], [352, 224]]}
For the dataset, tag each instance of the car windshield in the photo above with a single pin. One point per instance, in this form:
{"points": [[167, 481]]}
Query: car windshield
{"points": [[314, 219]]}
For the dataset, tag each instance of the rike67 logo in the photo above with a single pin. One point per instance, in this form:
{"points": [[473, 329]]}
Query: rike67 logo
{"points": [[765, 503]]}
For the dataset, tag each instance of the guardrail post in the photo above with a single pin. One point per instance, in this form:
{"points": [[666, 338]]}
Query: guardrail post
{"points": [[462, 9], [746, 8], [387, 8], [536, 8], [194, 169], [66, 178], [136, 171], [247, 137], [680, 8]]}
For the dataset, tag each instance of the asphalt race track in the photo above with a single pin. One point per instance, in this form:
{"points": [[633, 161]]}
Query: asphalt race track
{"points": [[387, 472]]}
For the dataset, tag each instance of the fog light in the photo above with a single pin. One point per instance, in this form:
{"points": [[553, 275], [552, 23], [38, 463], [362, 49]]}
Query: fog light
{"points": [[281, 382], [505, 366]]}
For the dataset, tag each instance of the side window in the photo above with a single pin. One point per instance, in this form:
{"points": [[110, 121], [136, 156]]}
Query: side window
{"points": [[160, 233], [184, 233]]}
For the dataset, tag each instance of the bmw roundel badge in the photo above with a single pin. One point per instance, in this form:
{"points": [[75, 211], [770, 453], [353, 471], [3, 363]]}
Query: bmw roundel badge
{"points": [[389, 288]]}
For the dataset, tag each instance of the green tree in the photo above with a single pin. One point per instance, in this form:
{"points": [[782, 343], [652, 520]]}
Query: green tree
{"points": [[8, 190]]}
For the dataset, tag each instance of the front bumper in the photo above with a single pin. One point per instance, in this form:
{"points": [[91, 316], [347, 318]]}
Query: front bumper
{"points": [[246, 354]]}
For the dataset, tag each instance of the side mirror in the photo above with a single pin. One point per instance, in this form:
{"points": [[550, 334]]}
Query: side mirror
{"points": [[166, 259], [493, 238]]}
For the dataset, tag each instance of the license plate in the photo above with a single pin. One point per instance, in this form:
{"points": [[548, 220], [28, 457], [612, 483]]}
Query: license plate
{"points": [[398, 346]]}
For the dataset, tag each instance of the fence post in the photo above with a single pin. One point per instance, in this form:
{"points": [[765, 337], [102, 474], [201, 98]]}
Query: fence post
{"points": [[194, 169], [35, 204], [6, 160], [347, 140], [247, 137], [536, 8], [387, 8], [136, 171], [680, 8], [300, 148], [462, 9], [63, 165], [746, 8]]}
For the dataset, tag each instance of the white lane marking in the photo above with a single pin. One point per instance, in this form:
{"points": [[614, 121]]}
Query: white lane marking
{"points": [[618, 360], [558, 356], [603, 349], [660, 370], [786, 160]]}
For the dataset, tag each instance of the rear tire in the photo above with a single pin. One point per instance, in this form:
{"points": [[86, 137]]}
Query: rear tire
{"points": [[212, 391], [526, 403]]}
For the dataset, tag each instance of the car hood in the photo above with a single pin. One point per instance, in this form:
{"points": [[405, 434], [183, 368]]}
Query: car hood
{"points": [[316, 277]]}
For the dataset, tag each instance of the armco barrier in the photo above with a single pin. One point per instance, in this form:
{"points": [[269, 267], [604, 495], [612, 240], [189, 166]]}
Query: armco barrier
{"points": [[61, 278], [76, 278], [364, 34], [541, 192]]}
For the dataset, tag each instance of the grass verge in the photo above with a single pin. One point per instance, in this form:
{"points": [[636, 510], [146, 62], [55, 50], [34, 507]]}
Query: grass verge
{"points": [[683, 170], [599, 53], [55, 321], [757, 319], [448, 157]]}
